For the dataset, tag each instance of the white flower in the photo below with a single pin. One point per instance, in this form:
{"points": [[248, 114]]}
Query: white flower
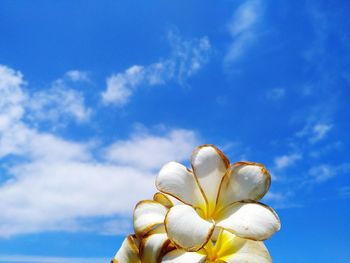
{"points": [[227, 249], [209, 214], [215, 195]]}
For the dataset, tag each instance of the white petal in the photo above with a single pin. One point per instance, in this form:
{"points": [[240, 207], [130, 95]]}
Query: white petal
{"points": [[152, 246], [181, 256], [249, 220], [186, 228], [244, 181], [166, 200], [249, 252], [233, 249], [147, 215], [128, 252], [176, 180], [209, 166]]}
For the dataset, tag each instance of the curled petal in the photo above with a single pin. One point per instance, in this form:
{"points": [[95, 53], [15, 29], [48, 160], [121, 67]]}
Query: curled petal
{"points": [[147, 215], [181, 256], [244, 181], [209, 166], [128, 252], [176, 180], [166, 200], [249, 220], [187, 229]]}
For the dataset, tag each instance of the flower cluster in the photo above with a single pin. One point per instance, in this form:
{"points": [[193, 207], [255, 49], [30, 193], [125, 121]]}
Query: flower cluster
{"points": [[208, 214]]}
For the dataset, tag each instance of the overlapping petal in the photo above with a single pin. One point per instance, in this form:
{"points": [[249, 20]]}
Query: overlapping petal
{"points": [[153, 245], [147, 215], [176, 180], [250, 252], [249, 220], [244, 181], [182, 256], [186, 228], [209, 166], [229, 248], [233, 249], [166, 200], [128, 252]]}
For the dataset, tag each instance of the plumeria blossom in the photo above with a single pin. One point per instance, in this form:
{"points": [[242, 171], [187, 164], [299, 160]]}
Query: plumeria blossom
{"points": [[228, 248], [208, 214], [215, 195]]}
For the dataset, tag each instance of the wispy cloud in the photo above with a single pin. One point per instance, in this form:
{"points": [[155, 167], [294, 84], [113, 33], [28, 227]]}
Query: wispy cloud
{"points": [[324, 172], [58, 103], [285, 161], [242, 29], [186, 58], [315, 132], [77, 75]]}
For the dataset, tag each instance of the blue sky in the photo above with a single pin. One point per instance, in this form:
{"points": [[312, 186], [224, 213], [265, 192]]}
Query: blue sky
{"points": [[95, 96]]}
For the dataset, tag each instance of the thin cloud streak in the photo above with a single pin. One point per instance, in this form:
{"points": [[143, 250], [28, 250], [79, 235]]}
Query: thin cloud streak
{"points": [[186, 59]]}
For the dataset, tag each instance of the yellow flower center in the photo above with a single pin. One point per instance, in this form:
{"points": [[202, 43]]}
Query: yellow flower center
{"points": [[216, 252]]}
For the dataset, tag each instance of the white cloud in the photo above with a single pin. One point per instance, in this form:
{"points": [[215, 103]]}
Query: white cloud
{"points": [[187, 57], [151, 152], [121, 85], [242, 28], [285, 161], [62, 182], [12, 97], [57, 103], [276, 94], [54, 184], [77, 75]]}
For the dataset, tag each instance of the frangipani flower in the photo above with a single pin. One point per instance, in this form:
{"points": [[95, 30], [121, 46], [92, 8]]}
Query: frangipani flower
{"points": [[227, 249], [214, 195]]}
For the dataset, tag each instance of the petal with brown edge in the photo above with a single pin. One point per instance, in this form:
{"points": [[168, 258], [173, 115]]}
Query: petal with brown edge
{"points": [[244, 181], [249, 252], [147, 215], [153, 244], [166, 200], [209, 166], [249, 220], [128, 252], [176, 180], [187, 229]]}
